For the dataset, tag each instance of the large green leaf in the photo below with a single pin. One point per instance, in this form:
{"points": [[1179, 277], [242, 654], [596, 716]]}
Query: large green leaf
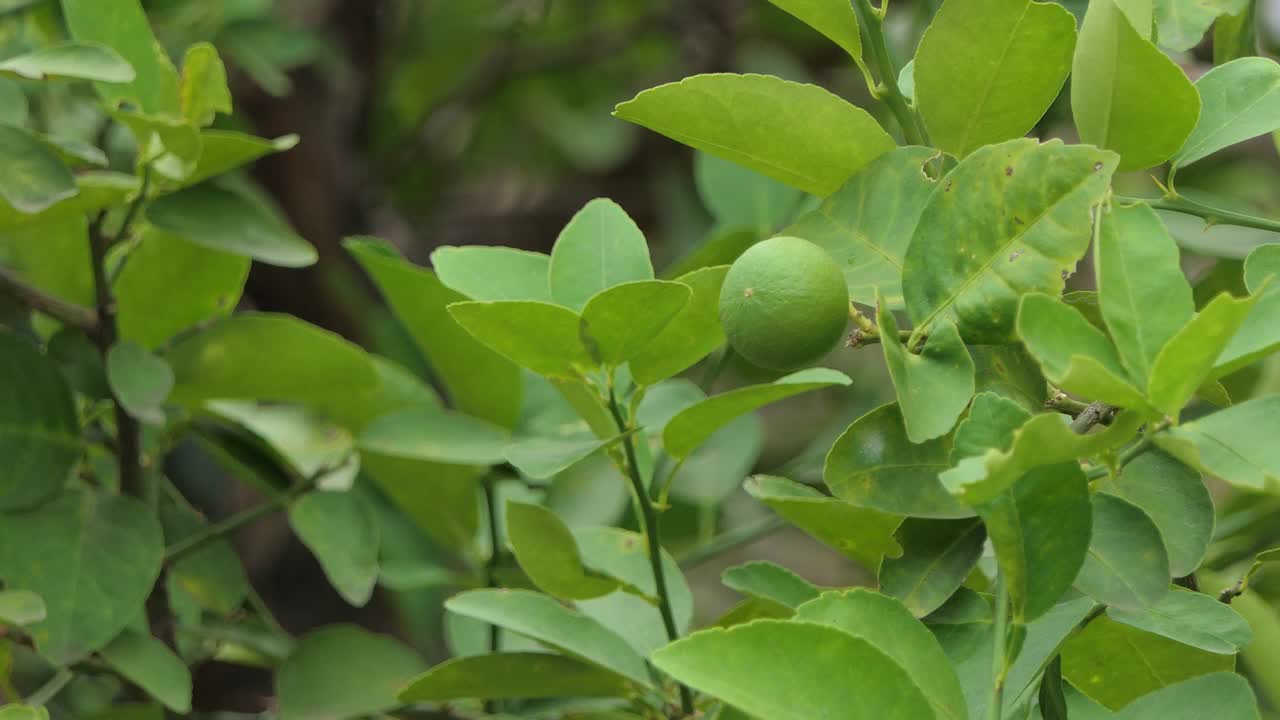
{"points": [[542, 337], [541, 618], [971, 93], [1009, 219], [436, 435], [690, 336], [786, 670], [1259, 335], [1040, 528], [1186, 361], [937, 556], [1126, 95], [1236, 444], [1138, 269], [620, 322], [599, 248], [833, 18], [148, 663], [692, 426], [740, 198], [34, 178], [861, 534], [769, 581], [264, 356], [1182, 23], [1221, 695], [340, 672], [224, 150], [488, 272], [39, 428], [1127, 566], [1191, 618], [342, 532], [801, 135], [299, 439], [77, 61], [1241, 100], [514, 675], [542, 458], [1176, 500], [226, 220], [122, 26], [549, 555], [874, 465], [933, 387], [107, 549], [867, 224]]}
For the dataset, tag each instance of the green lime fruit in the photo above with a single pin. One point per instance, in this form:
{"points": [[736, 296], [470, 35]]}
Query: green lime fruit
{"points": [[784, 303]]}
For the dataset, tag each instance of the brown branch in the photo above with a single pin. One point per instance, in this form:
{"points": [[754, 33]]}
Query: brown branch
{"points": [[30, 296]]}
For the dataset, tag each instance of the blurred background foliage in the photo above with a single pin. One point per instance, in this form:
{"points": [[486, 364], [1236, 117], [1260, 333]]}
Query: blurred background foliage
{"points": [[488, 122]]}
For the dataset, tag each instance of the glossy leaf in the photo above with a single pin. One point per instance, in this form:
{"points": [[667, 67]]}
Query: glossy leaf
{"points": [[1176, 500], [798, 134], [1127, 566], [542, 337], [770, 582], [1185, 362], [599, 248], [487, 272], [619, 323], [123, 27], [933, 387], [549, 555], [436, 435], [341, 671], [39, 427], [1192, 619], [76, 61], [203, 91], [1235, 444], [513, 675], [1259, 335], [139, 381], [937, 556], [148, 663], [341, 530], [690, 335], [971, 93], [34, 177], [226, 220], [833, 18], [1127, 95], [1023, 211]]}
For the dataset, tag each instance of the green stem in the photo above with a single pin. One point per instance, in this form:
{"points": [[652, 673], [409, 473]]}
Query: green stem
{"points": [[491, 706], [1211, 215], [190, 544], [872, 21], [50, 689], [650, 528], [1000, 648]]}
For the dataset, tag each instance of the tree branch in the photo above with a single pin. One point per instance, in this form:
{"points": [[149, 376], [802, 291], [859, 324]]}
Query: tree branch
{"points": [[30, 296], [1211, 215], [1093, 413]]}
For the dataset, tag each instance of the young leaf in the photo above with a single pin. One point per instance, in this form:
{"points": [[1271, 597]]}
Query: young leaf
{"points": [[867, 224], [21, 607], [1236, 444], [971, 93], [1182, 23], [436, 435], [786, 670], [1176, 500], [1185, 362], [540, 618], [107, 549], [690, 335], [75, 61], [39, 428], [225, 220], [861, 534], [874, 465], [139, 380], [514, 675], [833, 18], [620, 322], [1222, 695], [1259, 335], [770, 582], [937, 556], [151, 665], [342, 532], [341, 671], [34, 178], [1023, 211], [692, 426], [1192, 619], [1126, 95], [123, 27], [486, 272], [599, 248], [990, 425], [203, 91], [168, 144], [549, 555], [798, 134], [934, 387], [542, 337], [1127, 566]]}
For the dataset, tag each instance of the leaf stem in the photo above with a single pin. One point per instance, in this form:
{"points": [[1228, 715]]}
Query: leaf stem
{"points": [[46, 692], [999, 649], [1211, 215], [650, 528], [32, 297], [872, 20]]}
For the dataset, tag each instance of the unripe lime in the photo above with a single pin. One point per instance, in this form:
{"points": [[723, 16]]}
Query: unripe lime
{"points": [[784, 303]]}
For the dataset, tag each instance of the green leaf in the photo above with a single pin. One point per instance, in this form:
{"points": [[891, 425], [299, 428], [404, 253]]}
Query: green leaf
{"points": [[514, 675], [1115, 664], [599, 248], [1176, 500], [76, 61], [798, 134], [542, 458], [226, 220], [933, 387], [542, 337], [14, 107], [1023, 211], [1075, 355], [1053, 703], [170, 285], [1010, 372], [107, 549], [436, 435], [833, 18], [786, 670], [1259, 335], [1182, 23], [1223, 695], [21, 607], [263, 356], [1236, 35], [299, 438], [139, 381], [340, 672], [342, 532], [1192, 619], [224, 150], [1126, 95], [937, 556], [690, 335], [167, 143], [1039, 527], [541, 618], [1185, 362], [741, 198], [123, 27], [211, 575], [990, 425], [887, 625], [619, 323], [717, 468], [34, 178], [867, 224], [1241, 100], [151, 665], [692, 426], [971, 93], [203, 92], [23, 712], [874, 465], [861, 534], [39, 427], [1137, 265], [1236, 444], [718, 247], [477, 380], [549, 555], [1127, 566], [487, 272], [770, 582], [96, 190], [74, 151]]}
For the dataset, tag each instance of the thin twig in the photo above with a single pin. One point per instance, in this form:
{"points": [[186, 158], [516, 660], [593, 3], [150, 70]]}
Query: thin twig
{"points": [[1211, 215], [30, 296], [491, 706], [1093, 414]]}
